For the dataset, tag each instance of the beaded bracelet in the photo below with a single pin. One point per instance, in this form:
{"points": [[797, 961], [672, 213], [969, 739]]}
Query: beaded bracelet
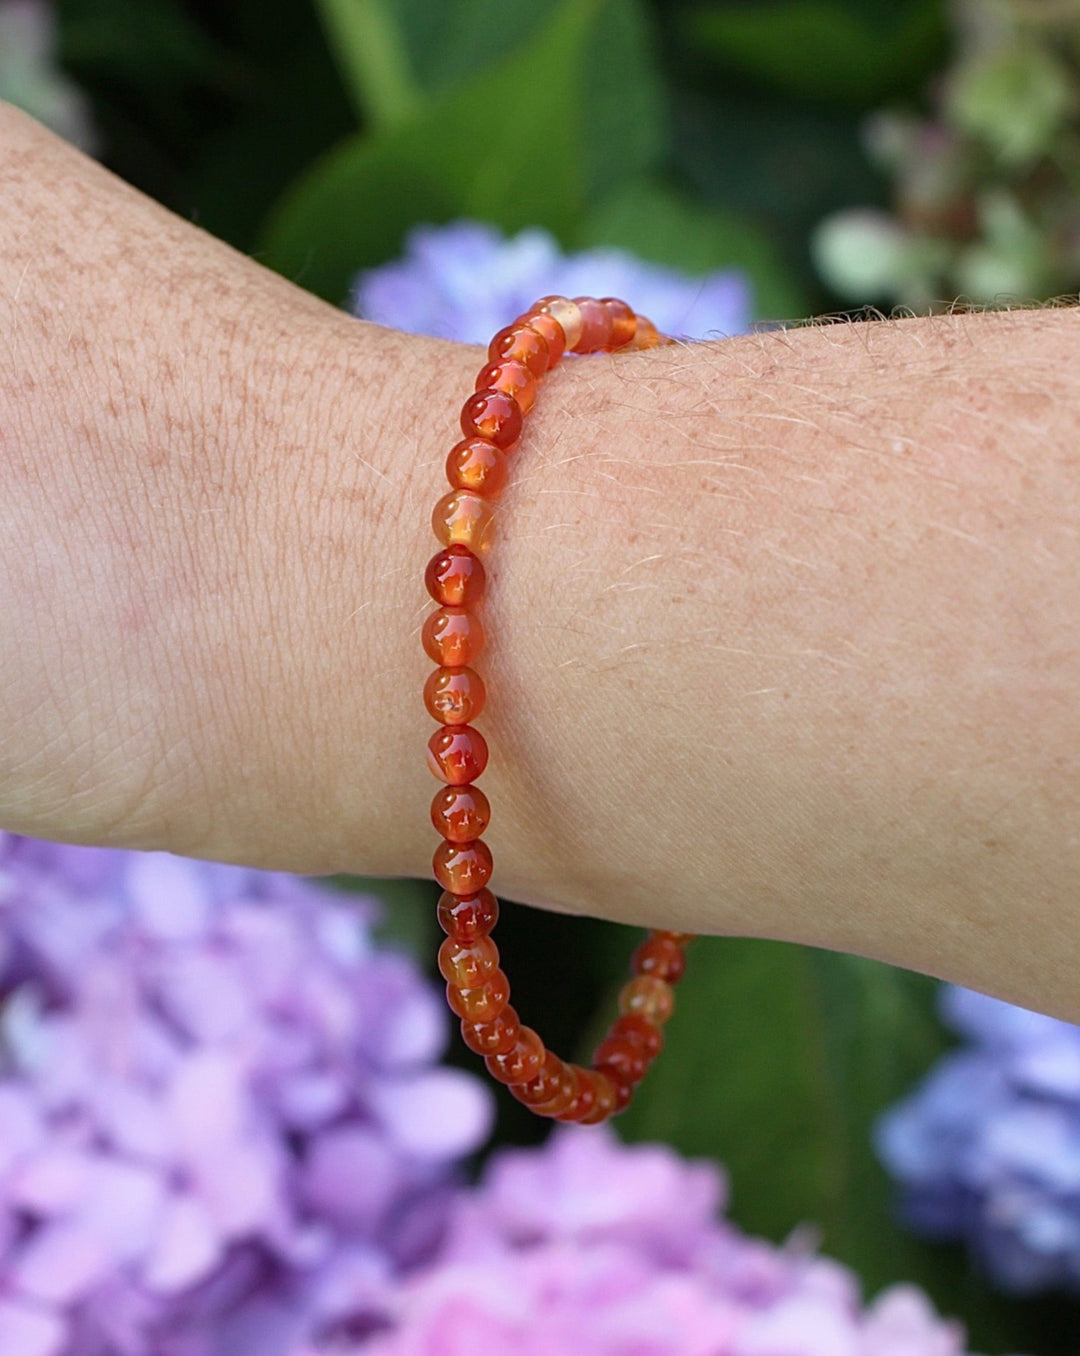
{"points": [[476, 988]]}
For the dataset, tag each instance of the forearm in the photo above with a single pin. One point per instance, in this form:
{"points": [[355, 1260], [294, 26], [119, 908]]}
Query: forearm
{"points": [[782, 630]]}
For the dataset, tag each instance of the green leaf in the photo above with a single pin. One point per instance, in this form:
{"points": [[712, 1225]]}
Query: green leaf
{"points": [[365, 39], [450, 43], [824, 49], [464, 156], [655, 223]]}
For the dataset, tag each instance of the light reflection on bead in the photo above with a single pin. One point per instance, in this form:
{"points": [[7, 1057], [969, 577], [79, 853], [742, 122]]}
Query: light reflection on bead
{"points": [[460, 813], [463, 518], [483, 1004], [457, 754], [454, 696], [476, 465], [650, 997], [467, 917], [467, 966], [462, 868], [493, 415], [455, 577]]}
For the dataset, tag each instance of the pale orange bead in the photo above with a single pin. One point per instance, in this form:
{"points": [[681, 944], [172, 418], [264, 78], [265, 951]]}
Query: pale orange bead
{"points": [[646, 335], [464, 518], [650, 997], [568, 315]]}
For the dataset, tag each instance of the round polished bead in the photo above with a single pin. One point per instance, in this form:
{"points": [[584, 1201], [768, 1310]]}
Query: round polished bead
{"points": [[522, 1062], [454, 696], [595, 325], [627, 1057], [476, 465], [584, 1098], [457, 754], [455, 577], [623, 321], [453, 637], [464, 518], [481, 1005], [650, 997], [462, 868], [524, 344], [605, 1102], [460, 813], [568, 315], [660, 956], [553, 1088], [512, 378], [552, 331], [492, 415], [468, 965], [634, 1027], [624, 1091], [492, 1038], [646, 335], [466, 917]]}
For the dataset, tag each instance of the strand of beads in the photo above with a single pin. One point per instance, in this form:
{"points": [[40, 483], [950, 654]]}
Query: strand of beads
{"points": [[477, 989]]}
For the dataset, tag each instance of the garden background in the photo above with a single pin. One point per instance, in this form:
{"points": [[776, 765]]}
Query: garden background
{"points": [[839, 155]]}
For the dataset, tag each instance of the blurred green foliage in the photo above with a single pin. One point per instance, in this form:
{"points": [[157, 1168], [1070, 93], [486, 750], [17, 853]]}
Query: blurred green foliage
{"points": [[697, 133]]}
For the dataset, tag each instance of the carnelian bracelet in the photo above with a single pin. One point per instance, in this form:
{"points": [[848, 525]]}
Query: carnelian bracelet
{"points": [[476, 988]]}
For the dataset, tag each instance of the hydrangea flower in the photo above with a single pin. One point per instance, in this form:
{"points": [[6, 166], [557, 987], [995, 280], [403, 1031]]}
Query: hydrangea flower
{"points": [[30, 77], [987, 1148], [586, 1245], [212, 1089], [465, 281]]}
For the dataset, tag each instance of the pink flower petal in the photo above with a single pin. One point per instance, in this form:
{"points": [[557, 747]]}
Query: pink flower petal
{"points": [[351, 1176], [443, 1113], [26, 1331], [61, 1263], [169, 895], [186, 1248]]}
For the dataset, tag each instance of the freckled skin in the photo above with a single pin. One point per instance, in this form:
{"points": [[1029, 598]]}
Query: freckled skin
{"points": [[856, 728]]}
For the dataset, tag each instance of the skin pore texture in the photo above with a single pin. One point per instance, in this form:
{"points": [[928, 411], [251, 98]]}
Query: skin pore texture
{"points": [[784, 631]]}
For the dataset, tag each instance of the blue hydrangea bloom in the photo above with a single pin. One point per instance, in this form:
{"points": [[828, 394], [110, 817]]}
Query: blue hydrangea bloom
{"points": [[465, 281], [987, 1148]]}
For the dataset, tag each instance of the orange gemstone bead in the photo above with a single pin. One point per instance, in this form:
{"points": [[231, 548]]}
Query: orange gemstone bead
{"points": [[595, 325], [605, 1101], [462, 868], [457, 754], [481, 1005], [524, 344], [637, 1028], [659, 955], [553, 1088], [477, 465], [454, 696], [466, 917], [453, 637], [468, 965], [650, 997], [511, 377], [455, 577], [550, 328], [625, 1057], [464, 518], [460, 813], [568, 315], [646, 335], [522, 1062], [492, 415], [584, 1098], [623, 321], [494, 1037]]}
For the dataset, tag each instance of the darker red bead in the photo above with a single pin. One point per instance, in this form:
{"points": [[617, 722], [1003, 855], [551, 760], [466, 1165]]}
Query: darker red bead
{"points": [[637, 1028], [623, 1054], [623, 321], [595, 327], [492, 415], [457, 754], [460, 813], [660, 956], [467, 917], [462, 868], [455, 577]]}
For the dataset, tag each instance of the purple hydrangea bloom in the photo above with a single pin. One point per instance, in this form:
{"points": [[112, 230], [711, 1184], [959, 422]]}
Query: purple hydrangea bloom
{"points": [[987, 1148], [589, 1246], [465, 281], [213, 1089]]}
